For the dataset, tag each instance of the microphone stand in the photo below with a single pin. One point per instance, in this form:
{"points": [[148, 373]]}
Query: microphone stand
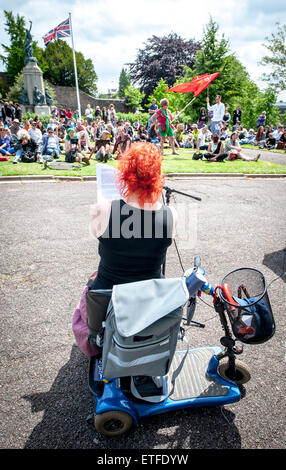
{"points": [[169, 191], [192, 304]]}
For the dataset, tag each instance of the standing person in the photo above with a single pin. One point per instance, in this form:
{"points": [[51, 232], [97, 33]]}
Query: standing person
{"points": [[89, 114], [236, 116], [202, 118], [261, 119], [104, 114], [218, 110], [165, 125], [111, 114], [8, 112], [151, 110]]}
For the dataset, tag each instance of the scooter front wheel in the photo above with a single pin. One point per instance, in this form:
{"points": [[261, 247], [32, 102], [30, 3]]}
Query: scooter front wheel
{"points": [[242, 371], [113, 423]]}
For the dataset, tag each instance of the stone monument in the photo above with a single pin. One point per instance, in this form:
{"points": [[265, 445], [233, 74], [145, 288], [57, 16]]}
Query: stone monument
{"points": [[34, 98]]}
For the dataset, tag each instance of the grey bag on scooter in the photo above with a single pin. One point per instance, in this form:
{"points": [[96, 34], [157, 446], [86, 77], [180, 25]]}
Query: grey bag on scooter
{"points": [[142, 325]]}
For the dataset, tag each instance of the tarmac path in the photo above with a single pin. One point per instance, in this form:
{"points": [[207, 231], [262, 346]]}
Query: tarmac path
{"points": [[47, 255]]}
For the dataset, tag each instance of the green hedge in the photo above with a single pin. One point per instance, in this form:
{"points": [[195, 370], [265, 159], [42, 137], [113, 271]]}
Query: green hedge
{"points": [[28, 116], [142, 117]]}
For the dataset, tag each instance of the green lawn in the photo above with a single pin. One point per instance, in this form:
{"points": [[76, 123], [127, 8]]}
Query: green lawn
{"points": [[181, 163]]}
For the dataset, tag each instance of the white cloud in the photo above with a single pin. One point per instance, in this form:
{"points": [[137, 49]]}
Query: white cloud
{"points": [[110, 32]]}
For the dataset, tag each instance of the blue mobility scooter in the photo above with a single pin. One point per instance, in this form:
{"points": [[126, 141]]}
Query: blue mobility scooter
{"points": [[204, 376]]}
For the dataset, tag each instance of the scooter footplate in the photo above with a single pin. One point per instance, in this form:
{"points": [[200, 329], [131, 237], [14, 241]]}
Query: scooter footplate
{"points": [[192, 382]]}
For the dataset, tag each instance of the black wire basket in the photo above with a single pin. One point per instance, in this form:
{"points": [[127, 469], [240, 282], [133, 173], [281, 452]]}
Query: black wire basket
{"points": [[244, 293]]}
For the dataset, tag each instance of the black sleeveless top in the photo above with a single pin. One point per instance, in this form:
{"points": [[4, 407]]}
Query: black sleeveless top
{"points": [[133, 246]]}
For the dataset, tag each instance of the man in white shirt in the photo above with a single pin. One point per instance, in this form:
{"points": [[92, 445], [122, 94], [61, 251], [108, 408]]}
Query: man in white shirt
{"points": [[278, 132], [218, 110], [201, 141]]}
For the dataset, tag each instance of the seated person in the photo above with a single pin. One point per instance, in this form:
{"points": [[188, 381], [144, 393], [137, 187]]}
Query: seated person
{"points": [[189, 143], [278, 132], [104, 153], [122, 142], [5, 147], [84, 141], [136, 124], [129, 129], [50, 146], [36, 133], [201, 140], [110, 129], [27, 150], [270, 142], [260, 136], [195, 132], [249, 138], [179, 134], [232, 148], [142, 134], [215, 151], [134, 255], [153, 133], [72, 149], [241, 132], [61, 132], [105, 140], [281, 144]]}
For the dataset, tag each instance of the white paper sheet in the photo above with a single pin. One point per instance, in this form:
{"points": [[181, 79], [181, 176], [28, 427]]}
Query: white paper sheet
{"points": [[106, 187]]}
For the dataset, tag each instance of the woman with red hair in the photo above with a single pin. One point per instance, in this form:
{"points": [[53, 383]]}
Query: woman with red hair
{"points": [[135, 231]]}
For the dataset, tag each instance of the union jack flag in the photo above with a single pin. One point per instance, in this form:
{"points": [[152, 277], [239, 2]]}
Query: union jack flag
{"points": [[63, 30]]}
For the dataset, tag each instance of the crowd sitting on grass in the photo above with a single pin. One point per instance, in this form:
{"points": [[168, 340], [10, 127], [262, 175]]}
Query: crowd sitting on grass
{"points": [[101, 135]]}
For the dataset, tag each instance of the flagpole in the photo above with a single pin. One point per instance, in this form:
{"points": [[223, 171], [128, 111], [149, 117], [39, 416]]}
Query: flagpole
{"points": [[75, 70], [182, 110]]}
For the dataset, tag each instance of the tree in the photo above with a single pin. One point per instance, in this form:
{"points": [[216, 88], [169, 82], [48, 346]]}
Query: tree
{"points": [[162, 58], [134, 98], [276, 45], [233, 84], [14, 55], [58, 56], [124, 82], [175, 99]]}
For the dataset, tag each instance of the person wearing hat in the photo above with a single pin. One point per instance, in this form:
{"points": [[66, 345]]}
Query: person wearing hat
{"points": [[15, 126]]}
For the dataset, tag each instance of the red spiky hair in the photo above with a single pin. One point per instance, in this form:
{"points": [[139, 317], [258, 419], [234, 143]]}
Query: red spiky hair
{"points": [[140, 172]]}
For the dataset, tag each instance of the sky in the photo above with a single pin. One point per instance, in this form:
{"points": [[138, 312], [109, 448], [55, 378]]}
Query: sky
{"points": [[110, 32]]}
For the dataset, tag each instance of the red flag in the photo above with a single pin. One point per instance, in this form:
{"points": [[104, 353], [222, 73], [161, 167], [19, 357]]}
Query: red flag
{"points": [[197, 85]]}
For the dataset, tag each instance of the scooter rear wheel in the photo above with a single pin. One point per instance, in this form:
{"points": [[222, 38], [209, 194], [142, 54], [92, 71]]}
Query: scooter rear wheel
{"points": [[243, 373], [113, 423]]}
